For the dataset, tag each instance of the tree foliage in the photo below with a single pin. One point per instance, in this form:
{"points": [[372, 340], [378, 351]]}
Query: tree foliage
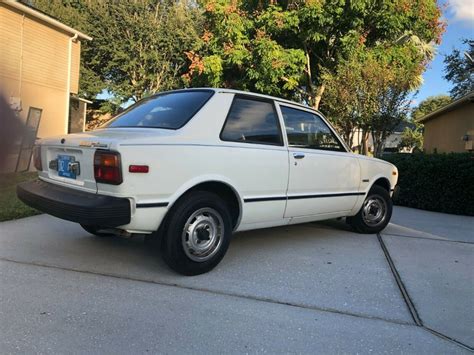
{"points": [[361, 58], [460, 69], [138, 46], [303, 39], [239, 55], [428, 105], [412, 138], [371, 91]]}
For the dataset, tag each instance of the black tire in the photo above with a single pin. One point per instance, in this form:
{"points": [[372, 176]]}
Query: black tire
{"points": [[362, 222], [94, 231], [203, 213]]}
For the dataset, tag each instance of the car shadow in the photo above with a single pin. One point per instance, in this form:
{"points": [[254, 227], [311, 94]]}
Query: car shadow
{"points": [[251, 245]]}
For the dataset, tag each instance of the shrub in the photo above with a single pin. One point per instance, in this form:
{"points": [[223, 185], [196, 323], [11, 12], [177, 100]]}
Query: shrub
{"points": [[436, 182]]}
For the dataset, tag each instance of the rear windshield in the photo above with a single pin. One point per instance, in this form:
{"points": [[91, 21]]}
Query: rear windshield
{"points": [[169, 110]]}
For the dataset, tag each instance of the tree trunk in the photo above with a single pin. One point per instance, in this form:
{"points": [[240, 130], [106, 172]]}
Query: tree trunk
{"points": [[364, 148], [350, 138], [318, 95], [379, 140]]}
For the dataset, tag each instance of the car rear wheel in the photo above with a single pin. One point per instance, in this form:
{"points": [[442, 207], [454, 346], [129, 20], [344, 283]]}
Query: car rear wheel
{"points": [[94, 230], [375, 212], [197, 233]]}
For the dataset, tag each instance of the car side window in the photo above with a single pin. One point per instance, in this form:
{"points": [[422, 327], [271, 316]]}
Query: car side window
{"points": [[252, 121], [307, 130]]}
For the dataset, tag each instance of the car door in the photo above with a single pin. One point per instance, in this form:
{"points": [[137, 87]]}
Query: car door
{"points": [[257, 161], [324, 178]]}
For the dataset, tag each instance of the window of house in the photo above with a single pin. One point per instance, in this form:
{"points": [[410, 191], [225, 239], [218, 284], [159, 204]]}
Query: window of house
{"points": [[252, 121], [307, 130]]}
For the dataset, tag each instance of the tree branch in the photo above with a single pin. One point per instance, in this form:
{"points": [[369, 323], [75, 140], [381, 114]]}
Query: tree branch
{"points": [[300, 90]]}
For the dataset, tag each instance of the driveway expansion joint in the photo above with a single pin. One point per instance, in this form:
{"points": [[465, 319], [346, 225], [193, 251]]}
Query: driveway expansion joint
{"points": [[401, 286], [426, 238], [406, 296], [213, 292]]}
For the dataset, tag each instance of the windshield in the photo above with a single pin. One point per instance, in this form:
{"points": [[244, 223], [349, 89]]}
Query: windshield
{"points": [[168, 110]]}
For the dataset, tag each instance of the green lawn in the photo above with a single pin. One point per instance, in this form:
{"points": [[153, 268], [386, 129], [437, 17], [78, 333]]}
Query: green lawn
{"points": [[10, 206]]}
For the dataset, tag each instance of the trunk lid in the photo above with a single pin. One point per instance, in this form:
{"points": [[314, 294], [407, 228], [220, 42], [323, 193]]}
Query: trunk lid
{"points": [[69, 159]]}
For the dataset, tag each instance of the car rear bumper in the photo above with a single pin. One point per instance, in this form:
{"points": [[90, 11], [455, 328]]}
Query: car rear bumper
{"points": [[73, 205]]}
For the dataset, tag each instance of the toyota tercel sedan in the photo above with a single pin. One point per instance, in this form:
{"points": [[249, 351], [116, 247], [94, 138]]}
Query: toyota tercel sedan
{"points": [[190, 167]]}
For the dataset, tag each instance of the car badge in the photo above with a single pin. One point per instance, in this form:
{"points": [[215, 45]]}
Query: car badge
{"points": [[93, 144]]}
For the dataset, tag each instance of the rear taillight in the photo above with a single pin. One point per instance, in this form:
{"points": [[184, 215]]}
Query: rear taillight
{"points": [[37, 157], [107, 167]]}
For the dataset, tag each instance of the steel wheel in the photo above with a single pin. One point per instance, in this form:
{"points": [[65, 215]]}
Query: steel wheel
{"points": [[374, 210], [202, 234], [374, 213]]}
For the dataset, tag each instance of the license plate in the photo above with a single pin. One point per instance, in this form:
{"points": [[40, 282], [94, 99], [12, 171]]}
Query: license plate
{"points": [[64, 166]]}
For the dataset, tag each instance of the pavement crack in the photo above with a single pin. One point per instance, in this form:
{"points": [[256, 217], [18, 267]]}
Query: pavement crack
{"points": [[445, 337], [408, 300], [210, 291]]}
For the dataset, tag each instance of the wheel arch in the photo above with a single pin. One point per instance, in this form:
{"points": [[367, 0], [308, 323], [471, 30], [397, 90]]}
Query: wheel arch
{"points": [[222, 188], [382, 182]]}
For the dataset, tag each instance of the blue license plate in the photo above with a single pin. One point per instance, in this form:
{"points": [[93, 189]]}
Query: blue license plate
{"points": [[64, 167]]}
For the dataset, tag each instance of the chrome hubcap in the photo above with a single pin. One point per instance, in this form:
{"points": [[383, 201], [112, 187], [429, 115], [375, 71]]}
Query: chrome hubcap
{"points": [[202, 234], [374, 210]]}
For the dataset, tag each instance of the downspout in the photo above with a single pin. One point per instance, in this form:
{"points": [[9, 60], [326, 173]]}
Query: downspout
{"points": [[84, 117], [68, 81], [20, 84]]}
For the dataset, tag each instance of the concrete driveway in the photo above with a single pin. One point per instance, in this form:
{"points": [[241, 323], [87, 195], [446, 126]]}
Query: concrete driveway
{"points": [[302, 289]]}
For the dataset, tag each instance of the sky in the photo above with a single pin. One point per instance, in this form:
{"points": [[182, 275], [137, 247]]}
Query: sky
{"points": [[459, 15]]}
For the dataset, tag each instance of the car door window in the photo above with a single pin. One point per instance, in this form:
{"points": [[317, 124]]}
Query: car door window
{"points": [[252, 121], [307, 130]]}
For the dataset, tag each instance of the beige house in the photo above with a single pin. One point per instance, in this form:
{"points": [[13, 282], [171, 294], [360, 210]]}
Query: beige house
{"points": [[39, 69], [450, 128]]}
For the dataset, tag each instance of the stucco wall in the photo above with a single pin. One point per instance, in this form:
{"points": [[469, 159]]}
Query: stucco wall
{"points": [[444, 133]]}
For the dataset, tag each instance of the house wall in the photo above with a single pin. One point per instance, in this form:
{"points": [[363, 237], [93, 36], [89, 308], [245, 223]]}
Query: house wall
{"points": [[34, 68], [444, 133]]}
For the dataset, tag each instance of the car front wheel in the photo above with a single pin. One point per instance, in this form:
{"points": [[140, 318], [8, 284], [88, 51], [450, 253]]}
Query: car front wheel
{"points": [[375, 212], [197, 233]]}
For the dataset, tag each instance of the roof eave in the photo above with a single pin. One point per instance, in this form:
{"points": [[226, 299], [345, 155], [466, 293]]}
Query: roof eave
{"points": [[452, 105], [32, 12]]}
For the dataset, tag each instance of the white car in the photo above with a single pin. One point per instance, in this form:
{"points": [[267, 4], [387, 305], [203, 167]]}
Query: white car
{"points": [[190, 167]]}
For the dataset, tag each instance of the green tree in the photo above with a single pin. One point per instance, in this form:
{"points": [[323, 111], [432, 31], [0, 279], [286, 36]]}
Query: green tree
{"points": [[303, 39], [371, 91], [393, 107], [428, 105], [141, 44], [460, 69], [239, 55], [412, 138], [138, 46]]}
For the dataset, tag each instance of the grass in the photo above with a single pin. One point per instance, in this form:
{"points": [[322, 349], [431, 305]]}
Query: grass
{"points": [[10, 206]]}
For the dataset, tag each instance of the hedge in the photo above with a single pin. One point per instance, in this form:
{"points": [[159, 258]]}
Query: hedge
{"points": [[436, 182]]}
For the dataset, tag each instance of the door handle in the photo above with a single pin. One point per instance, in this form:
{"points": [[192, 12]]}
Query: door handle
{"points": [[298, 155]]}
